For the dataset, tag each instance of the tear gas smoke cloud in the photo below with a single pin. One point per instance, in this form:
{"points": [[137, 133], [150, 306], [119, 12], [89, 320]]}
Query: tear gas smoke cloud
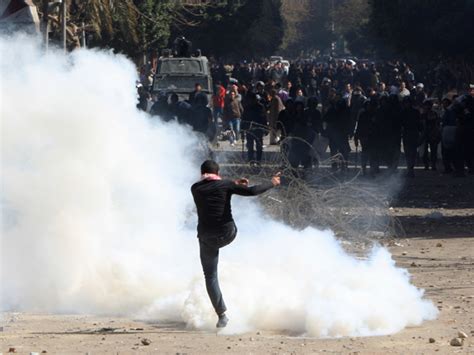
{"points": [[97, 217]]}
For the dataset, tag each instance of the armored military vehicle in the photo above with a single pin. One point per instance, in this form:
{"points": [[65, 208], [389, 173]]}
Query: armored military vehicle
{"points": [[179, 71]]}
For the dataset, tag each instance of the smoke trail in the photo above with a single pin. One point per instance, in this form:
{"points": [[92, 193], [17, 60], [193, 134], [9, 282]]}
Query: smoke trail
{"points": [[97, 217]]}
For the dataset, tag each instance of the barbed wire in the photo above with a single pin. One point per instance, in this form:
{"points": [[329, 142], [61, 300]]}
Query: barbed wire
{"points": [[323, 195]]}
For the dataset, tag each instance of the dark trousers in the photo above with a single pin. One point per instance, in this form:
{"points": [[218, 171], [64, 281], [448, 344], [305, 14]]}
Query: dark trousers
{"points": [[364, 153], [432, 156], [409, 146], [255, 136], [449, 156], [339, 143], [209, 245]]}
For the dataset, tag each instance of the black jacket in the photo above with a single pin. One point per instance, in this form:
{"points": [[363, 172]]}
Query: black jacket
{"points": [[212, 198], [254, 116]]}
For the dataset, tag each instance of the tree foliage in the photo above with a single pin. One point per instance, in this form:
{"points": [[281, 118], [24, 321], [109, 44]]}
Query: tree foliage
{"points": [[351, 20], [239, 29], [232, 28], [308, 25], [256, 28], [425, 27]]}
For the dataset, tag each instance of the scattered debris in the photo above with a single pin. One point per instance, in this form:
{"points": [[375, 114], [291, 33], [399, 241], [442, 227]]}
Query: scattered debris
{"points": [[395, 244], [439, 245], [12, 350], [432, 340], [146, 341], [462, 335], [456, 342]]}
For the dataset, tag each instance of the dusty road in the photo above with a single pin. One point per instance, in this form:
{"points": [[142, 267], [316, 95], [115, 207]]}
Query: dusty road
{"points": [[438, 251]]}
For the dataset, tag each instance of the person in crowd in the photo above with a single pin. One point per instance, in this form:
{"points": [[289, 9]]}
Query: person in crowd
{"points": [[420, 95], [197, 90], [160, 108], [464, 134], [338, 121], [431, 134], [254, 122], [357, 101], [347, 94], [448, 135], [382, 89], [408, 75], [314, 121], [282, 93], [233, 111], [300, 96], [278, 74], [286, 118], [388, 132], [275, 107], [302, 137], [363, 132], [403, 91], [411, 133], [262, 97], [202, 120], [218, 99]]}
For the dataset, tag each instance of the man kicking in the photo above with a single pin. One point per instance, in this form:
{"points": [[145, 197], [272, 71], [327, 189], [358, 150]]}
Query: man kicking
{"points": [[216, 227]]}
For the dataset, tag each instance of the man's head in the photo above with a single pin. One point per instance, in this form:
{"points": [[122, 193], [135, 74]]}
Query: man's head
{"points": [[209, 167], [445, 103], [197, 87]]}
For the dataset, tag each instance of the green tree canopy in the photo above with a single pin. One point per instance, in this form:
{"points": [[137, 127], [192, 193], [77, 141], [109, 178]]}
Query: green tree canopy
{"points": [[425, 27]]}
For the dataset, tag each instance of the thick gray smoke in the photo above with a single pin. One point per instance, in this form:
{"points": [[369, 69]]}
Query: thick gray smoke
{"points": [[97, 217]]}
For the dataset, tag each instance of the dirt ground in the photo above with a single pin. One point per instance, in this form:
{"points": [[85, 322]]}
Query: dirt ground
{"points": [[437, 213]]}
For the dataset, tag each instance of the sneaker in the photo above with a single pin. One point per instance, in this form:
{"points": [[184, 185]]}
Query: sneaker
{"points": [[222, 322]]}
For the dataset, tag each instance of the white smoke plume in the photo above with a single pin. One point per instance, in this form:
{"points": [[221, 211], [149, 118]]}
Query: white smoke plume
{"points": [[97, 217]]}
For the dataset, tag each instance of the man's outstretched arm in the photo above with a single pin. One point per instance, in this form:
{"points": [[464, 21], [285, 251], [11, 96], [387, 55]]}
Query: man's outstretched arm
{"points": [[241, 187]]}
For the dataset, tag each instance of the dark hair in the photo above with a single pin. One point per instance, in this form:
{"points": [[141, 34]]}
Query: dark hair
{"points": [[209, 167]]}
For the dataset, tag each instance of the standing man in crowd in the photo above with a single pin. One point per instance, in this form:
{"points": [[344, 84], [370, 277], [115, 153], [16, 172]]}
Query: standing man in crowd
{"points": [[233, 111], [216, 227], [411, 132], [275, 107], [254, 122], [196, 92]]}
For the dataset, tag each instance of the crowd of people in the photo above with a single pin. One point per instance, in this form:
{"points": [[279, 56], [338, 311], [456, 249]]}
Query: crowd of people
{"points": [[381, 109]]}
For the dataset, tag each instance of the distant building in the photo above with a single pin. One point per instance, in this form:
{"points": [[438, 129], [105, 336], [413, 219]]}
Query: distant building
{"points": [[18, 15]]}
